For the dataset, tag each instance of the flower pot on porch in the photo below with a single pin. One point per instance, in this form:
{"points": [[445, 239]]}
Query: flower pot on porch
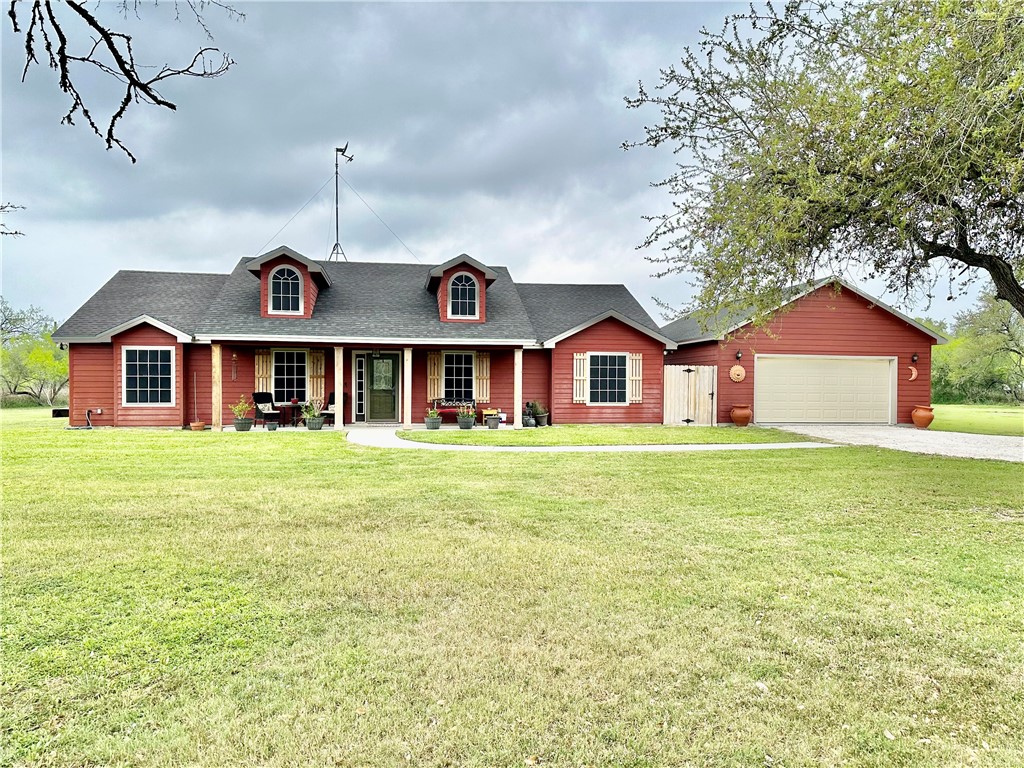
{"points": [[493, 422], [243, 425], [466, 422], [542, 419], [197, 426], [272, 426], [741, 415], [432, 422], [922, 416], [315, 422]]}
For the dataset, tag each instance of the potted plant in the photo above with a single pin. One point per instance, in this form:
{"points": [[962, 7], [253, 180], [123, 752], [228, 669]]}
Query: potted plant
{"points": [[432, 419], [528, 419], [311, 415], [242, 407], [466, 416], [272, 426], [493, 420], [540, 413]]}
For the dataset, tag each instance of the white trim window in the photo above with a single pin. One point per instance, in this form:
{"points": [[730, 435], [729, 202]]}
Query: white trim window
{"points": [[458, 375], [290, 375], [607, 378], [285, 293], [463, 299], [147, 377]]}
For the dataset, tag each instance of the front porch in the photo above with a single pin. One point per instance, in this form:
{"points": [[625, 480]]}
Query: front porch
{"points": [[386, 386]]}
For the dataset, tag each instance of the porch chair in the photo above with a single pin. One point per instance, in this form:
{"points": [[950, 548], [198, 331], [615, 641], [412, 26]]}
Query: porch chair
{"points": [[264, 402], [328, 411]]}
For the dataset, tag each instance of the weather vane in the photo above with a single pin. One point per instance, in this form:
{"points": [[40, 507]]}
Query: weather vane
{"points": [[337, 250]]}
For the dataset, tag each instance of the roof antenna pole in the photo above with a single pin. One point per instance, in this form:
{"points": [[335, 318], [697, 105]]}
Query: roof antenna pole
{"points": [[337, 250]]}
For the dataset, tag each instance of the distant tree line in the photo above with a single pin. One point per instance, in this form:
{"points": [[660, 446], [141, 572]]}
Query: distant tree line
{"points": [[984, 359], [33, 368]]}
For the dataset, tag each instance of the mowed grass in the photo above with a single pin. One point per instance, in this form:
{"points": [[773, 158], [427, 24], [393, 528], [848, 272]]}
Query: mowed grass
{"points": [[179, 598], [979, 419], [601, 435]]}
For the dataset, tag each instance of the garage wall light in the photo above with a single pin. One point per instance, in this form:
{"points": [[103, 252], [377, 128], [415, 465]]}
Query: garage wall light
{"points": [[739, 355], [913, 358]]}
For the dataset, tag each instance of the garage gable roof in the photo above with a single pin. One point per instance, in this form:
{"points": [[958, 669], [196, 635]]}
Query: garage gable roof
{"points": [[686, 329]]}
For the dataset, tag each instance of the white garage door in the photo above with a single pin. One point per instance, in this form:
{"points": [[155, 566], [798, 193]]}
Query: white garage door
{"points": [[845, 390]]}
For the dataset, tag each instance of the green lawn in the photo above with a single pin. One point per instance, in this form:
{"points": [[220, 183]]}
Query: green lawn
{"points": [[979, 419], [602, 435], [219, 599]]}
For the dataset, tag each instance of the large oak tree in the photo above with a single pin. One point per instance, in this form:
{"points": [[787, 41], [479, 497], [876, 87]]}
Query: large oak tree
{"points": [[886, 135]]}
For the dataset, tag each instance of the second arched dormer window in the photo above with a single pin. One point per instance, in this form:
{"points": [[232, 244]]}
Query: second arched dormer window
{"points": [[462, 297], [285, 291]]}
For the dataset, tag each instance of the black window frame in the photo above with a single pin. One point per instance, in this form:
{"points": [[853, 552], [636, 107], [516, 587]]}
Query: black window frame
{"points": [[458, 377], [464, 299], [148, 377], [293, 294], [289, 372], [607, 380]]}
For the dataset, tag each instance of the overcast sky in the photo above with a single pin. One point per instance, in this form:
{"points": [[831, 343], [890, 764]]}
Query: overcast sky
{"points": [[488, 129]]}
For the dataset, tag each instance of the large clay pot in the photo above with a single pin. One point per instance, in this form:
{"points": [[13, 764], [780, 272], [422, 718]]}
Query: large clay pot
{"points": [[741, 415], [922, 416]]}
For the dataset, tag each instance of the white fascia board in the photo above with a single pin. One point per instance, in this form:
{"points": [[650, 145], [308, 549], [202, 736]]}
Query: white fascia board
{"points": [[463, 258], [669, 344], [367, 340], [108, 335], [283, 250]]}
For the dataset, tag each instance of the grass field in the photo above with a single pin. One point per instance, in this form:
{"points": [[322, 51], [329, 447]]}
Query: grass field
{"points": [[601, 435], [979, 419], [218, 599]]}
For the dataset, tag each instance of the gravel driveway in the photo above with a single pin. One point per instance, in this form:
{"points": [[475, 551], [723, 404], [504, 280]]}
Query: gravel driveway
{"points": [[907, 438]]}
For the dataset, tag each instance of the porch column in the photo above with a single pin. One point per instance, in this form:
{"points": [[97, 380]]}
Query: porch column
{"points": [[517, 386], [407, 389], [216, 389], [339, 387]]}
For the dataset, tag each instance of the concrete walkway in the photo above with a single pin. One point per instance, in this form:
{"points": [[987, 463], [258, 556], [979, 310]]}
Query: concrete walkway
{"points": [[907, 438], [385, 437]]}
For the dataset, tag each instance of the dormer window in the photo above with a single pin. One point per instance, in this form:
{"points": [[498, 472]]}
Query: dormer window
{"points": [[285, 292], [462, 297]]}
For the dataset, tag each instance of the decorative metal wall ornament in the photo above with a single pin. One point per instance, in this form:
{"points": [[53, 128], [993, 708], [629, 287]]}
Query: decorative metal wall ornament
{"points": [[913, 372], [737, 373]]}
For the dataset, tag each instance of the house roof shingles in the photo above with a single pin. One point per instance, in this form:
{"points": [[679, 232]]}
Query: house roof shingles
{"points": [[179, 299], [555, 309], [366, 300]]}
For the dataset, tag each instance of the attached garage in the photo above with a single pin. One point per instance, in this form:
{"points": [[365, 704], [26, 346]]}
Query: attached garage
{"points": [[810, 389], [832, 354]]}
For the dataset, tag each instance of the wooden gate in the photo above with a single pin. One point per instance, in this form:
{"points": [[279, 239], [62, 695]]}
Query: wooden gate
{"points": [[690, 396]]}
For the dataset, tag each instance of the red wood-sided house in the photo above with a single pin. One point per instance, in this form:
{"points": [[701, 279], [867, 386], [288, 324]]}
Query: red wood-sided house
{"points": [[388, 340]]}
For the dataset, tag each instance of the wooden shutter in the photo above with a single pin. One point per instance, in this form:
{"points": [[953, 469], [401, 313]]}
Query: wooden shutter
{"points": [[636, 377], [315, 376], [433, 375], [579, 377], [264, 371], [482, 390]]}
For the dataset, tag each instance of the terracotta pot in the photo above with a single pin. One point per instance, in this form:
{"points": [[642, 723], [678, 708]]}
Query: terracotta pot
{"points": [[922, 416], [741, 415], [197, 426]]}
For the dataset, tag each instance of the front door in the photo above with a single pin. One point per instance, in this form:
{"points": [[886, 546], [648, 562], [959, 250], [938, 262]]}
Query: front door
{"points": [[382, 387]]}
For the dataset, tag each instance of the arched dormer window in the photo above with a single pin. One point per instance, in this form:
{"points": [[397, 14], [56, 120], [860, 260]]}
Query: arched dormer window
{"points": [[462, 297], [285, 292]]}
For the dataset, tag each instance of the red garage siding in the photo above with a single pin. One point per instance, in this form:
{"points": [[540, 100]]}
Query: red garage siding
{"points": [[91, 384], [822, 323], [607, 336]]}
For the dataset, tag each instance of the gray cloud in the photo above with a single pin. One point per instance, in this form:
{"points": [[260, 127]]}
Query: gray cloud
{"points": [[492, 129]]}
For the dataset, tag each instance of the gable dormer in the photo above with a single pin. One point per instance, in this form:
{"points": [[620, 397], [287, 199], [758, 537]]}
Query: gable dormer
{"points": [[289, 283], [460, 286]]}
